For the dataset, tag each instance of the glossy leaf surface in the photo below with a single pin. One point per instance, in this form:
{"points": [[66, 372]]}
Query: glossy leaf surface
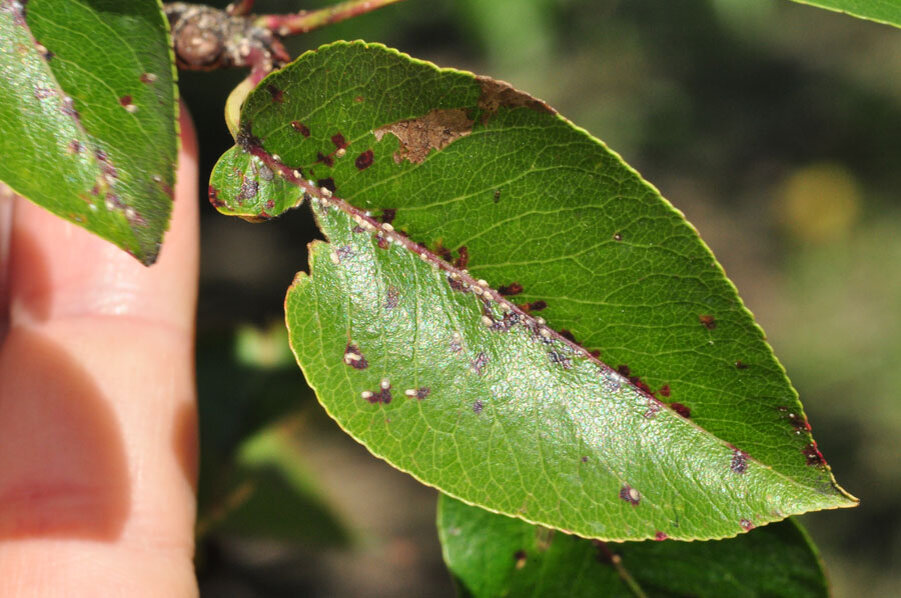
{"points": [[492, 555], [87, 115], [697, 435]]}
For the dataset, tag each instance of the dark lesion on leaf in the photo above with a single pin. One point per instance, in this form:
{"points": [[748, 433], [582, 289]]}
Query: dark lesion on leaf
{"points": [[630, 495], [500, 94], [388, 215], [739, 462], [300, 128], [354, 357], [514, 288], [364, 160], [434, 131], [462, 259]]}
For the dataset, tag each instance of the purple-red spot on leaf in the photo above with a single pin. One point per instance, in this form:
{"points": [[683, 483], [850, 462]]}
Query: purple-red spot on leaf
{"points": [[641, 384], [477, 407], [708, 321], [418, 393], [354, 357], [681, 409], [382, 395], [125, 101], [455, 284], [660, 536], [799, 423], [324, 159], [278, 96], [147, 78], [300, 128], [364, 160], [214, 198], [514, 288], [739, 462], [585, 459], [535, 306], [568, 335], [462, 257], [392, 298], [339, 141], [560, 359], [746, 524], [74, 147], [664, 390], [813, 455], [741, 366], [388, 215], [624, 370], [480, 362], [382, 241], [630, 495]]}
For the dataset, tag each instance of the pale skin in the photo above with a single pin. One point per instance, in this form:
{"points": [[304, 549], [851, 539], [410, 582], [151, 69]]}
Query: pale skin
{"points": [[98, 439]]}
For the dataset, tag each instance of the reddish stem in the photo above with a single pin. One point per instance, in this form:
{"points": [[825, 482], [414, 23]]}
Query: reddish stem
{"points": [[307, 20]]}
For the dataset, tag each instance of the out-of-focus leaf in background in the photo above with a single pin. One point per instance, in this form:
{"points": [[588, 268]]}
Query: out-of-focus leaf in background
{"points": [[87, 115], [255, 480]]}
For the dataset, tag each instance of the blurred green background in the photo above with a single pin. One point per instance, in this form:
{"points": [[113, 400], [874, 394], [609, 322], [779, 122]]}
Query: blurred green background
{"points": [[776, 129]]}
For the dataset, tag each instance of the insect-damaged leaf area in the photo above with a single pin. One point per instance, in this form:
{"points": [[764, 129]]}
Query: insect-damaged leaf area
{"points": [[492, 555], [646, 403], [87, 115]]}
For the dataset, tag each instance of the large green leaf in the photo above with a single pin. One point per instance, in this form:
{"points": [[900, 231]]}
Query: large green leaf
{"points": [[703, 437], [87, 114], [881, 11], [492, 555]]}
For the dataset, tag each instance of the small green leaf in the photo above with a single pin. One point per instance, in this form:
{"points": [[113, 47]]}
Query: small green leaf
{"points": [[87, 115], [881, 11], [686, 424], [492, 555], [260, 193], [275, 495]]}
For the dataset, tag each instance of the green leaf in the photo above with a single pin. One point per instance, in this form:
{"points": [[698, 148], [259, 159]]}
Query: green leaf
{"points": [[274, 495], [254, 479], [492, 555], [702, 438], [881, 11], [87, 115]]}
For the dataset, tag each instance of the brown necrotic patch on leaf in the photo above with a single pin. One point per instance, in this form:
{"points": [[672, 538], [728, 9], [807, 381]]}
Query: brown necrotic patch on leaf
{"points": [[434, 131], [300, 128], [514, 288], [364, 160], [500, 94]]}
